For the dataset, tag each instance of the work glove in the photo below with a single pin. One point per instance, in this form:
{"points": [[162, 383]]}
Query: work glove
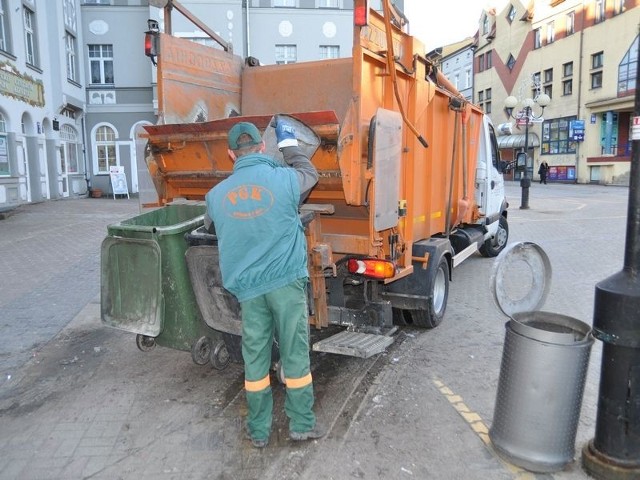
{"points": [[285, 135]]}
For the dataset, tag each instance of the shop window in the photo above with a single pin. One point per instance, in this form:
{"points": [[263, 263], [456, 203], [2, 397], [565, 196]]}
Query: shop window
{"points": [[555, 137]]}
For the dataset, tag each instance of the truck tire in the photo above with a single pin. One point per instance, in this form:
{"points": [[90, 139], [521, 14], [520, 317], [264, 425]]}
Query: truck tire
{"points": [[493, 246], [438, 286]]}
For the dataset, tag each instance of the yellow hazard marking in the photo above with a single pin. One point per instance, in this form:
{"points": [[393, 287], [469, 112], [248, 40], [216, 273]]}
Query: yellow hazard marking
{"points": [[436, 214], [479, 427]]}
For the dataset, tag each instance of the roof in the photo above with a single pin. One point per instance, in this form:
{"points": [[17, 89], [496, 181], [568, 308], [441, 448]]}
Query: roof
{"points": [[517, 141], [456, 47]]}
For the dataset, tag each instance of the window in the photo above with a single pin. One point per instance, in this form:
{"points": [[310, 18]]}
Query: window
{"points": [[596, 80], [70, 147], [512, 14], [5, 34], [4, 148], [467, 78], [284, 3], [600, 6], [551, 32], [481, 63], [489, 61], [456, 81], [328, 3], [97, 2], [548, 89], [484, 100], [567, 69], [485, 24], [286, 54], [30, 37], [537, 38], [548, 75], [329, 51], [567, 82], [69, 9], [105, 144], [555, 137], [101, 64], [618, 7], [627, 70], [72, 65], [511, 62], [570, 23], [597, 60]]}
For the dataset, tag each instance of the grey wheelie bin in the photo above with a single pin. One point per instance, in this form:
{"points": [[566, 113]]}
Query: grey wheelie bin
{"points": [[145, 285]]}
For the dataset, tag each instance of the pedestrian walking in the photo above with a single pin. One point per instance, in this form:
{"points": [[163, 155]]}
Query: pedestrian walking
{"points": [[543, 171], [263, 262]]}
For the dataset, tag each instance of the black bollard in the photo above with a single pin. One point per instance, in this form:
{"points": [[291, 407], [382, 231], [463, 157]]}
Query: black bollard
{"points": [[614, 452]]}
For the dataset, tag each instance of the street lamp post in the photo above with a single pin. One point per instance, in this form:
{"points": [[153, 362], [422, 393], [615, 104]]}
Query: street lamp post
{"points": [[526, 113]]}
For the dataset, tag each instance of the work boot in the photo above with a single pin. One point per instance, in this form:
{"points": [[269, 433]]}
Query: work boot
{"points": [[316, 432], [256, 442], [260, 442]]}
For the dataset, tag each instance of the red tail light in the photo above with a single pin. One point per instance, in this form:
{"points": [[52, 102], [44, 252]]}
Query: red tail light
{"points": [[361, 13], [150, 44], [371, 268]]}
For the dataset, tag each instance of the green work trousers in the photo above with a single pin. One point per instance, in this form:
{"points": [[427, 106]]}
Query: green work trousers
{"points": [[283, 313]]}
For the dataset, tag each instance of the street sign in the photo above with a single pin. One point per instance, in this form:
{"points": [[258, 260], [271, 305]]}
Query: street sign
{"points": [[635, 129], [576, 130]]}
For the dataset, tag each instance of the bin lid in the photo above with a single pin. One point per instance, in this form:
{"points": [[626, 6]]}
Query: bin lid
{"points": [[521, 278]]}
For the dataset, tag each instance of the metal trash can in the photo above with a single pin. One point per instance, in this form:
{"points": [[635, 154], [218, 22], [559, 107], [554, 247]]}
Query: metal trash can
{"points": [[145, 285], [543, 370]]}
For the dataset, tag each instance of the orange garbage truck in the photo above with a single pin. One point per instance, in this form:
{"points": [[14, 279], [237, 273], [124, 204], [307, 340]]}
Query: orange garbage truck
{"points": [[410, 180]]}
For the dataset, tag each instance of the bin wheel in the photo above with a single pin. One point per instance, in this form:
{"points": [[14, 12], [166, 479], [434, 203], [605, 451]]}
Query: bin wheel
{"points": [[201, 350], [220, 357], [145, 343], [279, 370]]}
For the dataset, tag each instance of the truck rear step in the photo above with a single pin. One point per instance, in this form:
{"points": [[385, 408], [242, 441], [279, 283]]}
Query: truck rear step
{"points": [[355, 344]]}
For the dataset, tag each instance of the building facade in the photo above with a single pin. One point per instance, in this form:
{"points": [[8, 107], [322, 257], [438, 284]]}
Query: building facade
{"points": [[119, 88], [42, 101], [457, 64], [558, 48]]}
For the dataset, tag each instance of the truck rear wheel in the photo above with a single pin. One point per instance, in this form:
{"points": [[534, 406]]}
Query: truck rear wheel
{"points": [[438, 293], [493, 246]]}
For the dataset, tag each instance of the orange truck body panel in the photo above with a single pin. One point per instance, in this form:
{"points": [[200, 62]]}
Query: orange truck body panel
{"points": [[337, 98]]}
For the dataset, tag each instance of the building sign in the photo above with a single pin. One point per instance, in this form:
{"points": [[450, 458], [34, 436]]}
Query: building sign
{"points": [[635, 128], [20, 87], [576, 130]]}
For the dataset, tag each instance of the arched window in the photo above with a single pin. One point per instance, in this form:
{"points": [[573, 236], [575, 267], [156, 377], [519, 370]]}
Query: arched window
{"points": [[4, 148], [105, 142], [69, 140]]}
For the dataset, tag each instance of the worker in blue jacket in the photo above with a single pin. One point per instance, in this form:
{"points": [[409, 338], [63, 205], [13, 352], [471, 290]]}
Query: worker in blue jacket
{"points": [[263, 262]]}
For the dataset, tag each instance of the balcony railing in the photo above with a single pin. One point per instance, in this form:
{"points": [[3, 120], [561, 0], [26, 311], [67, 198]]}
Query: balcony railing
{"points": [[619, 150]]}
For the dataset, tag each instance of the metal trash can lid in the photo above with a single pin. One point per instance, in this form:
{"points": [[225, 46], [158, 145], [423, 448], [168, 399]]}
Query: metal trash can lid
{"points": [[521, 278]]}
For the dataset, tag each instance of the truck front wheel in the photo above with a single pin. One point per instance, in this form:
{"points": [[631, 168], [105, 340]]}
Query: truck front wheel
{"points": [[493, 246]]}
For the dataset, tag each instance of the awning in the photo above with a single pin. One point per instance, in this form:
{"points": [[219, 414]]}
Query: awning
{"points": [[517, 141]]}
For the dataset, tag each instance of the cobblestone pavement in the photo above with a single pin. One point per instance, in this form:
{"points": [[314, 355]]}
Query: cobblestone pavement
{"points": [[83, 402]]}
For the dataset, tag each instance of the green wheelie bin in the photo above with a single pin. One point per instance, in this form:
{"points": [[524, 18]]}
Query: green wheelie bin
{"points": [[145, 284]]}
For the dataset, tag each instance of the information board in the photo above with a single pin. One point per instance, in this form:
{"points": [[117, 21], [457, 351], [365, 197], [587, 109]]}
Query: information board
{"points": [[118, 181]]}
